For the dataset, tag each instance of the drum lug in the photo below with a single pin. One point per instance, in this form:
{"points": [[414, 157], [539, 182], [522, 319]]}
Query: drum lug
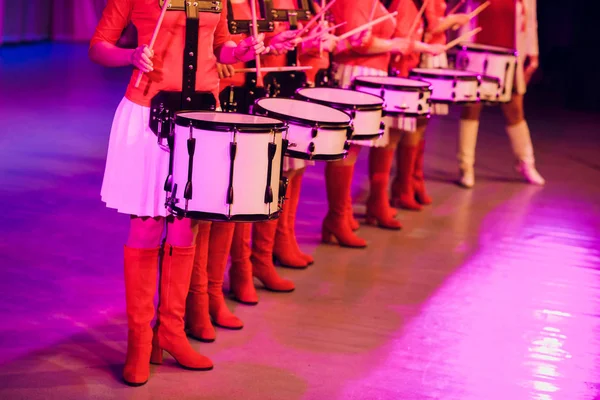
{"points": [[311, 148], [453, 95], [421, 95], [382, 125], [419, 107], [191, 147], [346, 146], [454, 84], [269, 190], [349, 131], [353, 114], [382, 92], [314, 131], [232, 154]]}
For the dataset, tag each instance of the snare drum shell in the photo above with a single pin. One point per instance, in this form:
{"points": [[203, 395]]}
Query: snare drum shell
{"points": [[211, 169], [445, 89], [501, 66]]}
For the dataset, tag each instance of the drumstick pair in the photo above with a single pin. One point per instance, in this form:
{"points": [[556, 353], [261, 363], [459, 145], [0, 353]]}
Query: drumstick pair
{"points": [[462, 38]]}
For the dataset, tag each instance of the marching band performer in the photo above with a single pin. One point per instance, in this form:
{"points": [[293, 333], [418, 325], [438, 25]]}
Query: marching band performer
{"points": [[510, 24], [205, 301], [137, 167], [408, 187]]}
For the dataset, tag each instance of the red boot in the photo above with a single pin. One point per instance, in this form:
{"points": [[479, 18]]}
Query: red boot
{"points": [[379, 211], [141, 267], [221, 236], [263, 240], [197, 317], [403, 191], [419, 179], [338, 181], [292, 202], [169, 329], [286, 250], [241, 282]]}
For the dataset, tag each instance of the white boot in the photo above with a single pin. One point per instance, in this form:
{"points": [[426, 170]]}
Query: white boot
{"points": [[467, 139], [520, 140]]}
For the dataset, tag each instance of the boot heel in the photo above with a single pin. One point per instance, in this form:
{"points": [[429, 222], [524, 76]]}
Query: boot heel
{"points": [[156, 357], [327, 236]]}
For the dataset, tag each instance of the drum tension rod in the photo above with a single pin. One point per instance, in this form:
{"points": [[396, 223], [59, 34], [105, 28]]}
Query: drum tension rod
{"points": [[191, 148], [272, 149], [232, 154]]}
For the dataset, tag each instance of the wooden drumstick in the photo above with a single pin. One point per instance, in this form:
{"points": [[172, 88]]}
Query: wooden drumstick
{"points": [[462, 38], [259, 78], [274, 69], [315, 19], [479, 9], [163, 11], [456, 7], [322, 22], [366, 26], [417, 19], [330, 29], [373, 10]]}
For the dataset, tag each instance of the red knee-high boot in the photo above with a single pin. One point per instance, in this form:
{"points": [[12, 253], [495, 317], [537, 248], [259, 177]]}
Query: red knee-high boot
{"points": [[221, 236], [286, 250], [169, 329], [292, 203], [378, 205], [197, 317], [141, 268], [241, 281], [403, 190], [419, 178], [338, 181], [263, 240]]}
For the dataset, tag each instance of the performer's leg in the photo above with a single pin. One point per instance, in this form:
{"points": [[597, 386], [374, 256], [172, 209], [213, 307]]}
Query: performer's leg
{"points": [[293, 200], [285, 249], [141, 268], [520, 139], [174, 286], [380, 165], [221, 237], [338, 181], [263, 241], [241, 281], [406, 155], [197, 317], [467, 141]]}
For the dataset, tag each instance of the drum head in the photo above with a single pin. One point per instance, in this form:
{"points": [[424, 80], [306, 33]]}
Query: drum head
{"points": [[351, 99], [303, 112], [391, 82], [214, 120], [484, 48], [445, 73]]}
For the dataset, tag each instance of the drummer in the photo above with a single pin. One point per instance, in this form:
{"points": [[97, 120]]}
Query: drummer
{"points": [[206, 301], [511, 24], [136, 170], [408, 187]]}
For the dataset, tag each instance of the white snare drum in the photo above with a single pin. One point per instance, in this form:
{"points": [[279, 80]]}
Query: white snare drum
{"points": [[497, 62], [450, 85], [403, 96], [315, 131], [366, 110], [226, 166], [489, 90]]}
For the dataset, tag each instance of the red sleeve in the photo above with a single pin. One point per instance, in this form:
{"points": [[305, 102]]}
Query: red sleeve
{"points": [[115, 17], [354, 15], [222, 30]]}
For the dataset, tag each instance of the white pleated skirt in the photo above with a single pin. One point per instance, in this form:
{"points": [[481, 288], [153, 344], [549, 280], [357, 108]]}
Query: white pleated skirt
{"points": [[136, 166], [437, 61], [345, 74]]}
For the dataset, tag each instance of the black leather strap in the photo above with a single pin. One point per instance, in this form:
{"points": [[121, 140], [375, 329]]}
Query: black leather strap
{"points": [[190, 61]]}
